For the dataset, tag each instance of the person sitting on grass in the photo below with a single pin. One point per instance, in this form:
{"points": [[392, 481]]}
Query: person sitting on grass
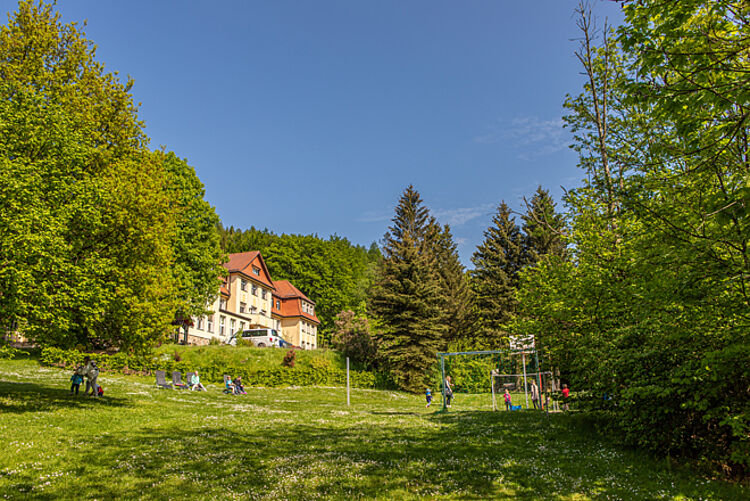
{"points": [[229, 385], [76, 379], [196, 383], [238, 388]]}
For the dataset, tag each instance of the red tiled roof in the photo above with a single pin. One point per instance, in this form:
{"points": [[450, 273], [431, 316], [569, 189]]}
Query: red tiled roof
{"points": [[290, 297], [242, 263], [285, 289]]}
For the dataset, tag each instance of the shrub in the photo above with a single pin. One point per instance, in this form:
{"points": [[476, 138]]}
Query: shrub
{"points": [[321, 372], [352, 337], [7, 352], [214, 341], [289, 359], [177, 357]]}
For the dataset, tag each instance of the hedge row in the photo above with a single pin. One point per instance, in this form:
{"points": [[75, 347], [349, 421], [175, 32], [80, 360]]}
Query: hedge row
{"points": [[322, 373]]}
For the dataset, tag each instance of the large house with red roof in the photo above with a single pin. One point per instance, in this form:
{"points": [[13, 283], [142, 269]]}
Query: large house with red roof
{"points": [[249, 299], [296, 314]]}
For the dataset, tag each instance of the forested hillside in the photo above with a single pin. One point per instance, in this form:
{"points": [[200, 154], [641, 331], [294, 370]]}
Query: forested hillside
{"points": [[333, 272]]}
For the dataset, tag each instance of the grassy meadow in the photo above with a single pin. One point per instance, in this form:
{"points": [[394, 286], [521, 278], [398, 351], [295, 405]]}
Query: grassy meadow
{"points": [[139, 442]]}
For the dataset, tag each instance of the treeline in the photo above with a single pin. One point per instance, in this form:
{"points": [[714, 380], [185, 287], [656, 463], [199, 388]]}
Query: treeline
{"points": [[332, 272], [650, 320], [423, 300], [103, 242]]}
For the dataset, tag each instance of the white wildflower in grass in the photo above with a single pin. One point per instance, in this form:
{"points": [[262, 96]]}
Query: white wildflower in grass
{"points": [[304, 443]]}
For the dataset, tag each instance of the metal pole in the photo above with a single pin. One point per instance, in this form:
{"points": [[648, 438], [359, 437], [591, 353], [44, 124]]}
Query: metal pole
{"points": [[347, 380], [539, 376], [442, 380], [525, 390], [492, 387]]}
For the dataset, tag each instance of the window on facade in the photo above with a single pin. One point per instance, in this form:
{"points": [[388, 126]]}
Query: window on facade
{"points": [[253, 310], [222, 304], [243, 284], [256, 270], [255, 290], [231, 326], [200, 323], [210, 323], [222, 320], [263, 293], [278, 305], [263, 312], [242, 307]]}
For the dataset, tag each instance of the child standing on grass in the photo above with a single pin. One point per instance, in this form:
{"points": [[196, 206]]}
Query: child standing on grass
{"points": [[76, 379], [565, 395], [428, 396], [506, 396]]}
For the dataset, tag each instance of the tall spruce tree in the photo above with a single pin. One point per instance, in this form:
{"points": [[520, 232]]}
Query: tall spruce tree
{"points": [[407, 295], [494, 280], [542, 229], [454, 285]]}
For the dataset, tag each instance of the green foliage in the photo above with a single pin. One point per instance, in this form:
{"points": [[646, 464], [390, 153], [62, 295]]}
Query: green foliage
{"points": [[542, 229], [335, 274], [195, 243], [454, 287], [408, 297], [8, 352], [85, 219], [653, 311], [353, 338], [494, 279]]}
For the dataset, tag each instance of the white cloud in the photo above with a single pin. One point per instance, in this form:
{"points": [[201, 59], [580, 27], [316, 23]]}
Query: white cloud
{"points": [[375, 217], [453, 217], [532, 136], [457, 217]]}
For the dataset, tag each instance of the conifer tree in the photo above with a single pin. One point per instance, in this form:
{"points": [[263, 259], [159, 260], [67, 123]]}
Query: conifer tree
{"points": [[494, 280], [455, 291], [542, 229], [407, 296]]}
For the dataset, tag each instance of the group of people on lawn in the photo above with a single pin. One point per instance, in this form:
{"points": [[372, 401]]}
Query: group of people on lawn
{"points": [[90, 372], [536, 397]]}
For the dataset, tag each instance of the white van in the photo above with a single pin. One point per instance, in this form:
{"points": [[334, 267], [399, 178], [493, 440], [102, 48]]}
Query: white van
{"points": [[261, 338]]}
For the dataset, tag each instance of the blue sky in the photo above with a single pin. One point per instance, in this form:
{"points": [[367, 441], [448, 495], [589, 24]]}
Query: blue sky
{"points": [[312, 117]]}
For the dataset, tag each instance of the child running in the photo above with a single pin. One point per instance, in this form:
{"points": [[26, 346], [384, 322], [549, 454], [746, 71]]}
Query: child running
{"points": [[428, 396]]}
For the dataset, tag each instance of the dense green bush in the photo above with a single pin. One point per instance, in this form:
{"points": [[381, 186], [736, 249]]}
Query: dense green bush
{"points": [[7, 352], [320, 372]]}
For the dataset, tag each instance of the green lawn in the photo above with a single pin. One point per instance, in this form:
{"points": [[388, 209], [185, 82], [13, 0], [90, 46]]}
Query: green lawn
{"points": [[304, 443]]}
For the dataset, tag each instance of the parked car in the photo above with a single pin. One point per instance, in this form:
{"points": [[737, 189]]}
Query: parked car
{"points": [[261, 338]]}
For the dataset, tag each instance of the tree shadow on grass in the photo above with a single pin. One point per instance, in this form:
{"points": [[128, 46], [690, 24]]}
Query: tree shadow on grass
{"points": [[480, 455], [31, 397]]}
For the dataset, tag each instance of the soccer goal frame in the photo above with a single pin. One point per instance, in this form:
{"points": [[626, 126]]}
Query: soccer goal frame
{"points": [[518, 345], [442, 356]]}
